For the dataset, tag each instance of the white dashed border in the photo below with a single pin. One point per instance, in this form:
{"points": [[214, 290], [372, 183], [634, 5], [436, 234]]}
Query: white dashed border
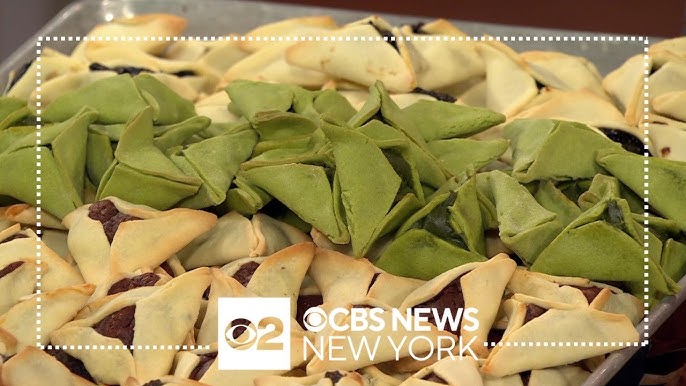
{"points": [[646, 192], [415, 38], [39, 230]]}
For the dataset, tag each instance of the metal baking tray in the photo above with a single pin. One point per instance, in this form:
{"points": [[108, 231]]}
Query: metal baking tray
{"points": [[218, 18], [215, 18]]}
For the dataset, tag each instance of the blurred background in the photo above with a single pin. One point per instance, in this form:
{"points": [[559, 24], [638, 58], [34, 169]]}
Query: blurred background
{"points": [[20, 19]]}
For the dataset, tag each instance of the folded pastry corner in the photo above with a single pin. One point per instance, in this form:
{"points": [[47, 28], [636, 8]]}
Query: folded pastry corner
{"points": [[32, 366], [451, 371], [533, 320], [124, 237], [381, 58], [478, 286], [57, 308], [146, 316]]}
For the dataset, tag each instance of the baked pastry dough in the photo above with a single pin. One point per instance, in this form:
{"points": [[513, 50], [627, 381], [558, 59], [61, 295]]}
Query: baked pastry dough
{"points": [[337, 378], [380, 59], [56, 272], [509, 87], [202, 365], [136, 244], [144, 25], [448, 371], [564, 72], [146, 316], [564, 324], [479, 285], [57, 308], [438, 63], [33, 367]]}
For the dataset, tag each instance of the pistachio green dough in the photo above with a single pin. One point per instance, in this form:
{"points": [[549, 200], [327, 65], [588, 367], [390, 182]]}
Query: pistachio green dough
{"points": [[418, 253], [554, 150]]}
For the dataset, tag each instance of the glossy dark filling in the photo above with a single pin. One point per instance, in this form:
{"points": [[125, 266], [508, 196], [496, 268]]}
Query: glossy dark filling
{"points": [[589, 292], [451, 298], [334, 376], [245, 272], [205, 363], [145, 280], [14, 237], [154, 382], [418, 28], [495, 335], [10, 268], [109, 216], [526, 376], [133, 71], [629, 142], [387, 35], [167, 268], [74, 365], [119, 325], [371, 283], [435, 378], [438, 95], [532, 312]]}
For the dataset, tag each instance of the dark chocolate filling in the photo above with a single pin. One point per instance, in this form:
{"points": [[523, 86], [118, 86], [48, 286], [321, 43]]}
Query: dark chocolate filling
{"points": [[144, 280], [109, 216], [526, 376], [387, 35], [73, 364], [417, 28], [19, 73], [10, 268], [14, 237], [119, 69], [589, 292], [450, 298], [167, 268], [371, 283], [435, 378], [245, 272], [205, 363], [533, 311], [495, 335], [304, 302], [334, 376], [629, 142], [133, 71], [438, 95], [119, 324], [206, 294], [154, 382]]}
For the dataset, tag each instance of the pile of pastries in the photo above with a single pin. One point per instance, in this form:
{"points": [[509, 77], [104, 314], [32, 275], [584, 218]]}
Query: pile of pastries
{"points": [[381, 172]]}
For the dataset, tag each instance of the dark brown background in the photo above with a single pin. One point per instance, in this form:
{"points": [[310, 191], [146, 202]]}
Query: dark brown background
{"points": [[20, 19], [633, 17]]}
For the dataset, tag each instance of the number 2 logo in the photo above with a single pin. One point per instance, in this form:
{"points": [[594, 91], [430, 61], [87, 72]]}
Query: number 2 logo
{"points": [[242, 335]]}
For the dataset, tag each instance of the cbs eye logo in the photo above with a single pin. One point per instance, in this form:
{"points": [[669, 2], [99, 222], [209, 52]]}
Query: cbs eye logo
{"points": [[242, 334], [254, 333]]}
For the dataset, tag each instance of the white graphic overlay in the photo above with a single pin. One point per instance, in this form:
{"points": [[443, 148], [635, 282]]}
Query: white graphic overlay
{"points": [[254, 334]]}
